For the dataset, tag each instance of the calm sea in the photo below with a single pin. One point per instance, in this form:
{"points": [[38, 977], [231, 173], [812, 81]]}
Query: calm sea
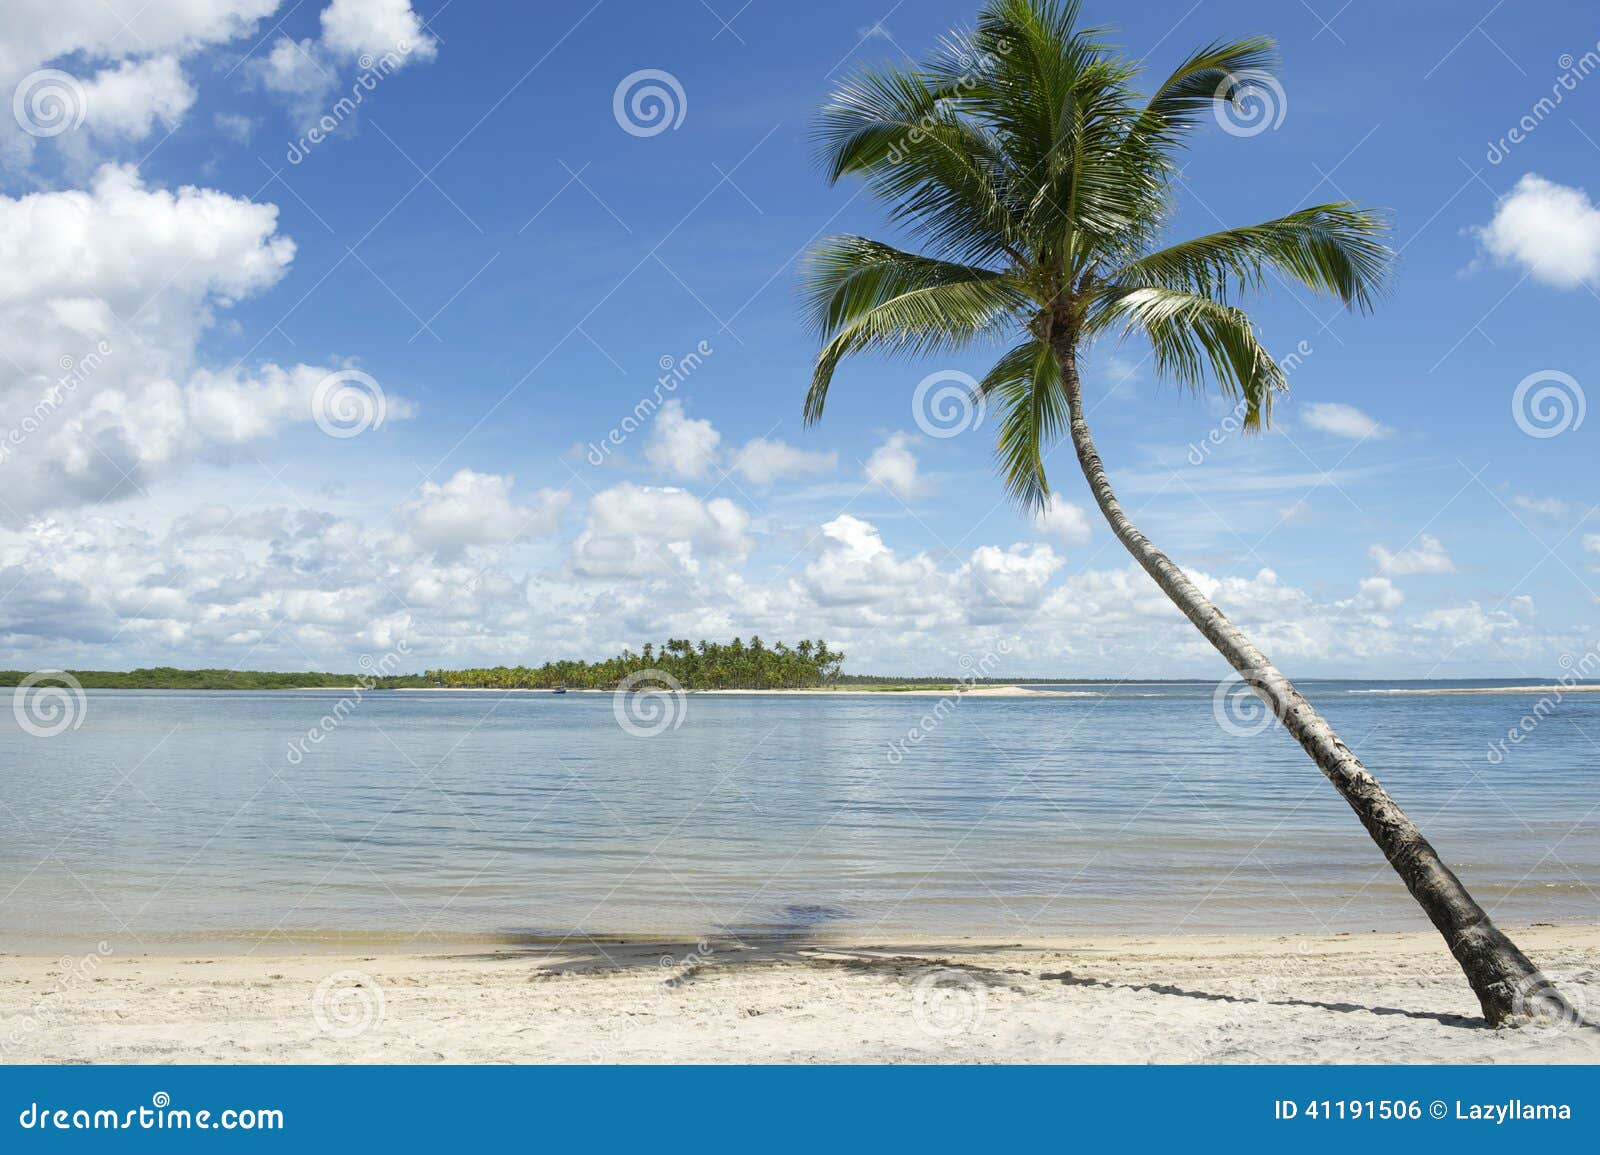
{"points": [[168, 817]]}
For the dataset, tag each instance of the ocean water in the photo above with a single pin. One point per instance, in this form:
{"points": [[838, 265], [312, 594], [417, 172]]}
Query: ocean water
{"points": [[169, 818]]}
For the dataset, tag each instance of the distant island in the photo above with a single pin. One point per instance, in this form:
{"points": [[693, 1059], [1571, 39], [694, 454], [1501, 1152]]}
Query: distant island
{"points": [[736, 665], [703, 665]]}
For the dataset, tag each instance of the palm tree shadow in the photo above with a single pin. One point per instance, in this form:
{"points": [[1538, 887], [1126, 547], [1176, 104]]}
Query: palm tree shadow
{"points": [[1465, 1022], [683, 961]]}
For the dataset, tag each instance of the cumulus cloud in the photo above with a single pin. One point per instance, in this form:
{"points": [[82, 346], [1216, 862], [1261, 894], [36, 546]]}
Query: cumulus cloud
{"points": [[680, 446], [1379, 593], [105, 295], [379, 36], [893, 466], [353, 28], [1339, 420], [1428, 555], [1551, 230], [129, 100], [1065, 522], [643, 529], [1008, 579], [855, 568], [1542, 506], [291, 586], [474, 509], [138, 45], [763, 462]]}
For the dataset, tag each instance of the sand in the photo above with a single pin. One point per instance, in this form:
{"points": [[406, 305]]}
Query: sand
{"points": [[1366, 998], [1094, 690], [941, 691]]}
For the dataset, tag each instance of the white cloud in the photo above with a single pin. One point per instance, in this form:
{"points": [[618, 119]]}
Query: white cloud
{"points": [[643, 529], [475, 509], [1065, 522], [893, 466], [137, 43], [1379, 593], [855, 568], [282, 586], [1012, 579], [291, 68], [1428, 555], [373, 27], [1550, 229], [763, 462], [128, 100], [1542, 506], [1341, 420], [375, 37], [682, 447], [105, 295]]}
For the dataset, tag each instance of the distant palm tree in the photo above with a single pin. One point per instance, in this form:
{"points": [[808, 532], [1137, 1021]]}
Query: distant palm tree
{"points": [[1041, 184]]}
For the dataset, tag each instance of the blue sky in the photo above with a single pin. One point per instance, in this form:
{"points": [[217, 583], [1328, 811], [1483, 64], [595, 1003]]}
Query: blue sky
{"points": [[483, 240]]}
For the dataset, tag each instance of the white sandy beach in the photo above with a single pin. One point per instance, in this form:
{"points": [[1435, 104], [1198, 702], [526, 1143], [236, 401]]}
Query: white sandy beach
{"points": [[1366, 998], [1078, 690]]}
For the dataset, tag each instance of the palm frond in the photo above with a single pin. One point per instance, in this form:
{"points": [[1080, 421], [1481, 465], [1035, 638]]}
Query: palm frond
{"points": [[1335, 249], [866, 295], [1026, 385], [1214, 72], [1192, 337]]}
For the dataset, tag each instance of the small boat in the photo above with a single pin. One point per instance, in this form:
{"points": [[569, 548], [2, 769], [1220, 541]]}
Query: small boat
{"points": [[559, 690]]}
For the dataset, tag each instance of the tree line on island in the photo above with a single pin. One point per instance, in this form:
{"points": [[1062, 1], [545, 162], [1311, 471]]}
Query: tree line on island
{"points": [[703, 665]]}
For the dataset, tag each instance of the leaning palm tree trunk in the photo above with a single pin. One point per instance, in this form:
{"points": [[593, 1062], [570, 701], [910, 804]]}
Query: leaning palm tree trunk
{"points": [[1507, 984]]}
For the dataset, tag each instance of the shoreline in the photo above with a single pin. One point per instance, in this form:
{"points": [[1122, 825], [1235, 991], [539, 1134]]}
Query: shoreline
{"points": [[1126, 998], [1008, 691]]}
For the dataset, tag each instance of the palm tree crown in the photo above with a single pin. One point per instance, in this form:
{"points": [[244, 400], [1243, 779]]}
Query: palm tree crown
{"points": [[1040, 184]]}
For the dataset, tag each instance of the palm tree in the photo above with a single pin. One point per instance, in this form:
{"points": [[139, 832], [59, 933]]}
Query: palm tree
{"points": [[1040, 183]]}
